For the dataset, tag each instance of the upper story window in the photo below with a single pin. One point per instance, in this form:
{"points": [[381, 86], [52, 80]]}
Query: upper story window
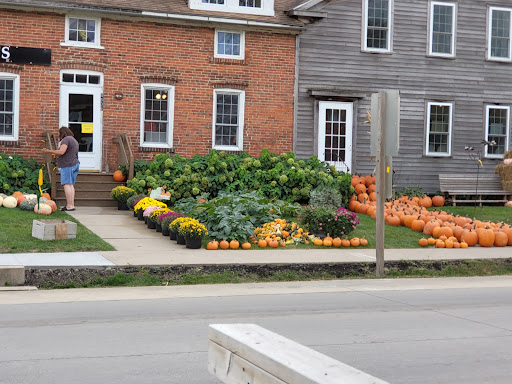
{"points": [[250, 7], [157, 110], [497, 130], [230, 45], [439, 129], [442, 29], [377, 25], [82, 32], [228, 119], [499, 44]]}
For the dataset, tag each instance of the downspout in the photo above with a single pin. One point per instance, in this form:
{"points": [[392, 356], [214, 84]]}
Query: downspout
{"points": [[296, 93]]}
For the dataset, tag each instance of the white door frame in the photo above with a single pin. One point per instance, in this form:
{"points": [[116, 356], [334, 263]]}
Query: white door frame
{"points": [[323, 106], [91, 161]]}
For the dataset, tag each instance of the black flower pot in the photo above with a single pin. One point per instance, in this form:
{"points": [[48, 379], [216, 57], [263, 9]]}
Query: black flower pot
{"points": [[134, 214], [180, 239], [172, 235], [158, 227], [193, 243], [165, 230], [140, 214], [121, 206], [151, 224]]}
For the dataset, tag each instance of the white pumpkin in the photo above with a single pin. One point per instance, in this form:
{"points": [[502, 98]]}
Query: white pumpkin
{"points": [[1, 200], [10, 202], [30, 196], [43, 209], [508, 204]]}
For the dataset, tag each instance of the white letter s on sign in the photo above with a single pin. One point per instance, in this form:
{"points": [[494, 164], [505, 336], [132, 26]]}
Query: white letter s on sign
{"points": [[6, 54]]}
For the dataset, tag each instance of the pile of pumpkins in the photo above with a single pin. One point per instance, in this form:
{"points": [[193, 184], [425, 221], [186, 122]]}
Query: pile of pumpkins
{"points": [[445, 230], [328, 241], [28, 202]]}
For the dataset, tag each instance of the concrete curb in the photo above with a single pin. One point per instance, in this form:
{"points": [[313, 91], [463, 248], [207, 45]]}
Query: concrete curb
{"points": [[12, 275]]}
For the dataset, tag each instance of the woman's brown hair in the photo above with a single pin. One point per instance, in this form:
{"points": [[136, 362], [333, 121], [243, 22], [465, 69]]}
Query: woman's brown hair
{"points": [[65, 131]]}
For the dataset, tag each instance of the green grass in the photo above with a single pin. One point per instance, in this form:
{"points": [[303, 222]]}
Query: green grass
{"points": [[16, 234], [158, 276]]}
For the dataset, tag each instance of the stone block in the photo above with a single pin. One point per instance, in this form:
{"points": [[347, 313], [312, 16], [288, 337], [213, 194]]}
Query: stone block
{"points": [[53, 229], [12, 275]]}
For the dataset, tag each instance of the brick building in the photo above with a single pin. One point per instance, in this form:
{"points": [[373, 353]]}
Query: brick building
{"points": [[175, 76]]}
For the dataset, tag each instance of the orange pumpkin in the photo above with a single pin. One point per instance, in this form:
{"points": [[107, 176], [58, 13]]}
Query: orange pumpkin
{"points": [[43, 209], [246, 245], [52, 204], [345, 242], [423, 242], [327, 242], [17, 194], [438, 201], [234, 244], [282, 243], [469, 237], [417, 225], [363, 241], [431, 241], [273, 244], [212, 245], [336, 242], [355, 242], [262, 243], [500, 239], [318, 242], [285, 234], [486, 237], [46, 195], [224, 244], [118, 176], [21, 199], [440, 244]]}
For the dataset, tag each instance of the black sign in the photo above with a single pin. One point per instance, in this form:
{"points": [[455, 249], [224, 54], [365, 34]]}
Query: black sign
{"points": [[24, 55]]}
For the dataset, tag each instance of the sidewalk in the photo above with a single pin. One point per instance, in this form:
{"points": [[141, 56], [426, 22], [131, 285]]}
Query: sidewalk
{"points": [[136, 245]]}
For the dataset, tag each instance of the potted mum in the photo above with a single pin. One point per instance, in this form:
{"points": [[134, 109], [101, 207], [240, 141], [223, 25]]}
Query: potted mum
{"points": [[122, 194], [166, 219], [134, 200], [173, 228], [193, 231], [153, 216]]}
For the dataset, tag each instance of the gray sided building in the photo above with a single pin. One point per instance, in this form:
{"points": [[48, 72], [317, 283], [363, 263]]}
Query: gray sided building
{"points": [[450, 60]]}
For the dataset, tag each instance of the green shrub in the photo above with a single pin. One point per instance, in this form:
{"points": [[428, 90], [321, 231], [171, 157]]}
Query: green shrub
{"points": [[283, 177], [231, 215], [326, 196], [410, 191], [20, 174], [335, 222]]}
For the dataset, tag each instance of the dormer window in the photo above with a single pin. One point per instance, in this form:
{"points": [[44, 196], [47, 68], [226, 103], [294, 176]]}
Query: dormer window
{"points": [[82, 32], [250, 7]]}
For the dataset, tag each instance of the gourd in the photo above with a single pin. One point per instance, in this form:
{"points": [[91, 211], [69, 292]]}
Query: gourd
{"points": [[28, 205], [43, 209], [10, 202]]}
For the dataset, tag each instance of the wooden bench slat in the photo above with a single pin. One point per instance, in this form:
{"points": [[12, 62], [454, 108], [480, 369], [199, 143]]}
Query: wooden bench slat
{"points": [[473, 186]]}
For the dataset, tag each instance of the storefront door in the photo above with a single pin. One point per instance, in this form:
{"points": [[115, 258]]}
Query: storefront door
{"points": [[81, 96], [335, 134]]}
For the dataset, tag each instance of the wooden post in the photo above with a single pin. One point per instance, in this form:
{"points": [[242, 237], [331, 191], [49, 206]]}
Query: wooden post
{"points": [[381, 184]]}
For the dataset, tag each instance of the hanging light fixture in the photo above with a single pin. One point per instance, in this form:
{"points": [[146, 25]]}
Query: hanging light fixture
{"points": [[157, 96]]}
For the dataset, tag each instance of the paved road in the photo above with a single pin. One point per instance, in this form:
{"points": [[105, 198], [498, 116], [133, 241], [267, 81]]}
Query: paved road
{"points": [[403, 331]]}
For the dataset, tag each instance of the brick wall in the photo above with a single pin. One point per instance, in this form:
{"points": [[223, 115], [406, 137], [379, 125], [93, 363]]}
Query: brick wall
{"points": [[138, 52]]}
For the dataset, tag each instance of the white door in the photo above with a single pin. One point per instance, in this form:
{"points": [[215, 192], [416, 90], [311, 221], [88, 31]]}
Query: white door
{"points": [[335, 134], [81, 111]]}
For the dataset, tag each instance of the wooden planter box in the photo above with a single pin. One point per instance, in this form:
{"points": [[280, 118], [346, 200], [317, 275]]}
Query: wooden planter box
{"points": [[53, 229]]}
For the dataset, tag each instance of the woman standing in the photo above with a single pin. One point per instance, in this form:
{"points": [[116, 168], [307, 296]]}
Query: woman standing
{"points": [[68, 164]]}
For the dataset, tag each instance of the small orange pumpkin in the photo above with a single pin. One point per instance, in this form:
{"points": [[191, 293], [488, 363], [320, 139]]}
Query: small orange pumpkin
{"points": [[212, 245], [262, 243], [118, 176], [363, 241], [355, 242], [246, 245], [224, 244], [336, 242], [273, 244], [234, 244], [345, 242], [423, 242], [438, 201]]}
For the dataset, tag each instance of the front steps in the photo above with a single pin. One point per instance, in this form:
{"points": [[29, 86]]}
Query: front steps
{"points": [[91, 190]]}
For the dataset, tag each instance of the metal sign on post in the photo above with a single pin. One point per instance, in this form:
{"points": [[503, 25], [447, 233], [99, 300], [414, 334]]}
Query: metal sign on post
{"points": [[385, 131]]}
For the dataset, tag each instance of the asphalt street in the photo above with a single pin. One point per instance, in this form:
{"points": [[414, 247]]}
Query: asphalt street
{"points": [[402, 331]]}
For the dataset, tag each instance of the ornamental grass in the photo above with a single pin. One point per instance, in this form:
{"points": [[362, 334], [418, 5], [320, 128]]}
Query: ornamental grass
{"points": [[192, 229]]}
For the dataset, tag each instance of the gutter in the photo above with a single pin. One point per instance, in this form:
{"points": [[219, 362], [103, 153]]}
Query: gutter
{"points": [[169, 16]]}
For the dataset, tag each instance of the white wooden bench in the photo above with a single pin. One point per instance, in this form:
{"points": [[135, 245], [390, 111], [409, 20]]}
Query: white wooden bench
{"points": [[474, 190], [249, 354]]}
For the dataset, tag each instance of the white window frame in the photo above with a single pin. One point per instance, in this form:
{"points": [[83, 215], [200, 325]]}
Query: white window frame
{"points": [[241, 107], [83, 44], [170, 114], [489, 35], [232, 6], [507, 139], [431, 28], [364, 35], [450, 129], [16, 106], [241, 56]]}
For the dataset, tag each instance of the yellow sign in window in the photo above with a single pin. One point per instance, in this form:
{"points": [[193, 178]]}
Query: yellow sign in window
{"points": [[87, 128]]}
